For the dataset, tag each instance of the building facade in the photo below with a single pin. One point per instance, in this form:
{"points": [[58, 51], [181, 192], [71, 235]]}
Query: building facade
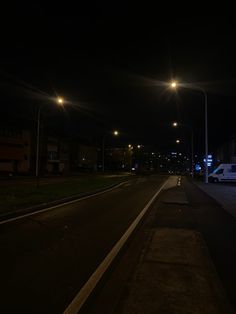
{"points": [[15, 151]]}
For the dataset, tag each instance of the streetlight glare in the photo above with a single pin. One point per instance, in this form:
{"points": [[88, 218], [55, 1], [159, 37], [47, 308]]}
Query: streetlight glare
{"points": [[173, 84], [174, 124], [60, 100], [177, 141], [116, 133]]}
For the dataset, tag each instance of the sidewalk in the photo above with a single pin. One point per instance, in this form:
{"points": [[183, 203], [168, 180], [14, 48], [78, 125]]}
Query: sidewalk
{"points": [[223, 193], [175, 274]]}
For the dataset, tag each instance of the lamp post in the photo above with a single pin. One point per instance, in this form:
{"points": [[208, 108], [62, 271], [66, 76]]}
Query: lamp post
{"points": [[175, 125], [60, 102], [174, 85], [115, 133], [130, 152]]}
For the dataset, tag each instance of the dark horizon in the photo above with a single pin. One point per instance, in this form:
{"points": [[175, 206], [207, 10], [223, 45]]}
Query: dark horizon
{"points": [[109, 66]]}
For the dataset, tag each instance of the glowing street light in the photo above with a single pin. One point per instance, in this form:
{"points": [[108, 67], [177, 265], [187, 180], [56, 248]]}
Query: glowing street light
{"points": [[116, 133], [139, 146], [60, 102], [177, 141], [174, 85], [175, 124]]}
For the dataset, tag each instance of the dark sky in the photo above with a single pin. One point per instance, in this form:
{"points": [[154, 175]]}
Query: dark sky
{"points": [[109, 62]]}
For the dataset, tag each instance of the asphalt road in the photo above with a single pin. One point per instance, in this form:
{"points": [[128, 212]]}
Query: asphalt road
{"points": [[47, 258], [202, 214]]}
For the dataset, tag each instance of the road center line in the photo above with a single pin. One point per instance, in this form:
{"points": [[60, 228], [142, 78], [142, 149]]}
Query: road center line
{"points": [[89, 286]]}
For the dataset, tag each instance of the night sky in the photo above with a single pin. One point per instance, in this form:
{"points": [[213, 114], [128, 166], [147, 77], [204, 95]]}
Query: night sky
{"points": [[110, 64]]}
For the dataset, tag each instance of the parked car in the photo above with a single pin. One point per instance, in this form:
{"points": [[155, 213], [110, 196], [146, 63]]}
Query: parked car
{"points": [[223, 173]]}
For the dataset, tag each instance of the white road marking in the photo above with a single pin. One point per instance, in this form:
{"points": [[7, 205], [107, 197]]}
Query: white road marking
{"points": [[60, 205], [89, 286]]}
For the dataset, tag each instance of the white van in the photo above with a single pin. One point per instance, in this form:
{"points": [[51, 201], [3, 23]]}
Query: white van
{"points": [[223, 173]]}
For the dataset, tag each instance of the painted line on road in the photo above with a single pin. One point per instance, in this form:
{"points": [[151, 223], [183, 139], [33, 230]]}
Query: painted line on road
{"points": [[90, 285], [61, 204]]}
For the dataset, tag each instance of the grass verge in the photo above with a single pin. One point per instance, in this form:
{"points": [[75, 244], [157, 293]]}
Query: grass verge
{"points": [[26, 195]]}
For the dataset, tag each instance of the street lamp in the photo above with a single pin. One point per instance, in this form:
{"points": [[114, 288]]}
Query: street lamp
{"points": [[176, 124], [115, 133], [174, 85], [60, 102], [177, 141]]}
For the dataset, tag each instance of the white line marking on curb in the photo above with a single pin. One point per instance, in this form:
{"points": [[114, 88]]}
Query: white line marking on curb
{"points": [[60, 205], [89, 286]]}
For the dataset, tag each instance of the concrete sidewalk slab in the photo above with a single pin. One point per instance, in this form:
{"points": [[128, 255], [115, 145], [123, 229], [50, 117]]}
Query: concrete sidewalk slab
{"points": [[175, 197], [175, 275]]}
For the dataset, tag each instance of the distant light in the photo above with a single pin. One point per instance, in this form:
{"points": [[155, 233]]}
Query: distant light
{"points": [[133, 169], [139, 146], [60, 100], [209, 160], [177, 141], [174, 124], [116, 133], [198, 167], [173, 84], [129, 145]]}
